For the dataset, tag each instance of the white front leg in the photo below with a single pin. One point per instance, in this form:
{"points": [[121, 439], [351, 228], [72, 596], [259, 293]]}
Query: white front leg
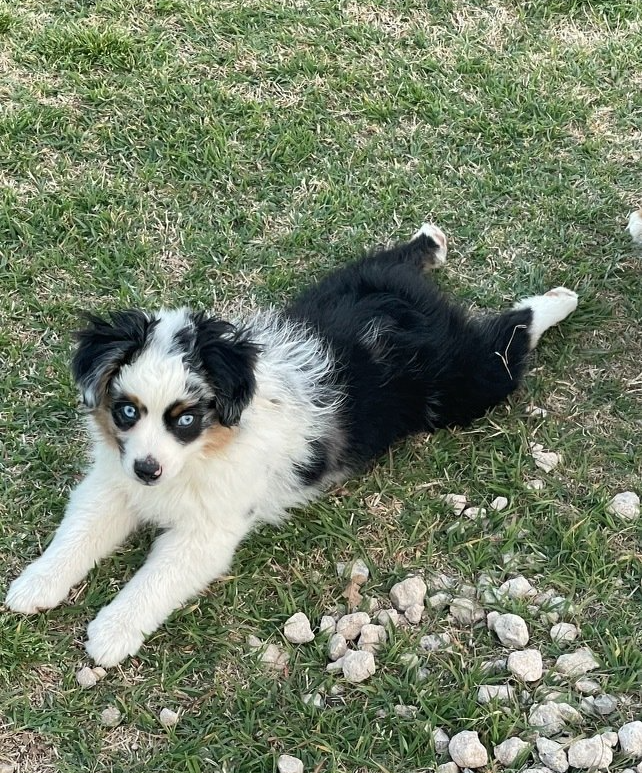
{"points": [[96, 522], [182, 563]]}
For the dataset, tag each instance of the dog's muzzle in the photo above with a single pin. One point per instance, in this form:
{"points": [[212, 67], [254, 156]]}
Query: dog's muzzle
{"points": [[147, 470]]}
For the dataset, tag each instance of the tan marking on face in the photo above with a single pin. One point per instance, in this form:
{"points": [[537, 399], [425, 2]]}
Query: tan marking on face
{"points": [[180, 408], [105, 424], [216, 438]]}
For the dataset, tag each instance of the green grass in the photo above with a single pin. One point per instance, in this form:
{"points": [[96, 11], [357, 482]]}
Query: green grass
{"points": [[181, 151]]}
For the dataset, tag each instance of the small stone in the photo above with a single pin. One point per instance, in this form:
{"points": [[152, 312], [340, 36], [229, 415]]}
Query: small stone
{"points": [[434, 642], [630, 736], [341, 568], [468, 591], [423, 673], [491, 619], [372, 637], [543, 598], [253, 642], [503, 693], [359, 572], [372, 605], [512, 631], [564, 633], [535, 410], [551, 718], [535, 484], [605, 704], [610, 737], [406, 712], [526, 665], [413, 613], [590, 753], [552, 754], [337, 646], [86, 678], [439, 601], [474, 513], [467, 750], [516, 588], [410, 591], [576, 663], [313, 698], [388, 617], [587, 686], [350, 625], [466, 612], [274, 657], [409, 659], [448, 767], [288, 764], [442, 582], [545, 460], [334, 666], [496, 666], [327, 625], [440, 739], [456, 501], [511, 750], [358, 666], [99, 672], [110, 716], [297, 629], [535, 770], [499, 504], [168, 718], [626, 505]]}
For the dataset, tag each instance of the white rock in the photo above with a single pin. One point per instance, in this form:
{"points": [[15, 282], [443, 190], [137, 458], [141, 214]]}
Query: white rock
{"points": [[447, 767], [328, 624], [253, 642], [358, 666], [467, 750], [605, 704], [499, 504], [406, 712], [274, 657], [576, 663], [491, 619], [440, 739], [350, 626], [372, 637], [630, 736], [535, 410], [535, 770], [587, 686], [543, 598], [413, 613], [314, 698], [409, 659], [590, 753], [99, 672], [466, 612], [434, 642], [456, 501], [86, 677], [564, 633], [359, 572], [511, 630], [439, 601], [389, 617], [475, 512], [611, 738], [551, 718], [410, 591], [510, 750], [545, 460], [297, 629], [552, 754], [526, 665], [442, 582], [373, 605], [516, 588], [337, 646], [535, 484], [468, 591], [110, 716], [168, 718], [334, 666], [626, 505], [288, 764], [503, 693]]}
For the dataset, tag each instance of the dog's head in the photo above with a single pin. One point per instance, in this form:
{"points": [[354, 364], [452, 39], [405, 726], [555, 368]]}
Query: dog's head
{"points": [[163, 387]]}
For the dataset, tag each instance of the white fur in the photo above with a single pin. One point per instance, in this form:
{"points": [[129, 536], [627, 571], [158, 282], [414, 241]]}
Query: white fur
{"points": [[635, 226], [429, 229], [548, 310], [207, 509]]}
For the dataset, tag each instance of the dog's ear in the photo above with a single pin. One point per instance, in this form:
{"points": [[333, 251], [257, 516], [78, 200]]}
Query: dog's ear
{"points": [[228, 358], [104, 346]]}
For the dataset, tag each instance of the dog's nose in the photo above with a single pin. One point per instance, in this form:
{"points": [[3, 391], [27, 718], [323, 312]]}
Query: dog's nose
{"points": [[147, 469]]}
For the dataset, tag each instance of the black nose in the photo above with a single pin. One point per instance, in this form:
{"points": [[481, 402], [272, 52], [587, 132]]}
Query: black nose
{"points": [[147, 469]]}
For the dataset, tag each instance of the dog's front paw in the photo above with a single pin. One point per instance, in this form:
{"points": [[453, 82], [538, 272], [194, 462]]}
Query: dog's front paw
{"points": [[35, 590], [112, 637]]}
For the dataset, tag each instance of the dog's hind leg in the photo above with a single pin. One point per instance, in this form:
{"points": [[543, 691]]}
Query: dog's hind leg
{"points": [[547, 310]]}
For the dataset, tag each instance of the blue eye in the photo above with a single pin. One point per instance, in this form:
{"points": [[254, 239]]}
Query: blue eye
{"points": [[186, 420], [129, 411]]}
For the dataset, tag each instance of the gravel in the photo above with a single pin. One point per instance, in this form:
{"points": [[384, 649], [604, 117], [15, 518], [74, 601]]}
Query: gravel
{"points": [[328, 624], [410, 591], [388, 617], [413, 613], [86, 678], [551, 718], [511, 630], [499, 504], [466, 612], [358, 666], [552, 754], [110, 716], [467, 750], [439, 601], [564, 633], [630, 737], [337, 646], [372, 637], [503, 693], [590, 753], [577, 663], [526, 665], [434, 642], [289, 764], [508, 751], [626, 505], [350, 626], [516, 588], [168, 718], [297, 629], [359, 572], [545, 460]]}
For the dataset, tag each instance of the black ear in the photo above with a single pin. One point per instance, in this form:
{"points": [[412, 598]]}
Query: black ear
{"points": [[104, 346], [228, 358]]}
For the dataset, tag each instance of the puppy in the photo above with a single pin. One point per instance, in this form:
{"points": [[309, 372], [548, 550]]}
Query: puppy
{"points": [[206, 428]]}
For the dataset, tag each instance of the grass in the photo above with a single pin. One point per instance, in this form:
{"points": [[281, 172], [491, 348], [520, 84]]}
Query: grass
{"points": [[172, 151]]}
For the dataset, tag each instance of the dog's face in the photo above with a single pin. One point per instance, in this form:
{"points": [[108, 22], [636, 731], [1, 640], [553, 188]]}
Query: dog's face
{"points": [[163, 388]]}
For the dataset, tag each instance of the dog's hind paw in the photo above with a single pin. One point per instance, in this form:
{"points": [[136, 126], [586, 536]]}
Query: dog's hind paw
{"points": [[439, 237]]}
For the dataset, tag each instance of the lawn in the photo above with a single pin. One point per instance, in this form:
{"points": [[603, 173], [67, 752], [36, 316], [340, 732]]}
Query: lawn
{"points": [[185, 152]]}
